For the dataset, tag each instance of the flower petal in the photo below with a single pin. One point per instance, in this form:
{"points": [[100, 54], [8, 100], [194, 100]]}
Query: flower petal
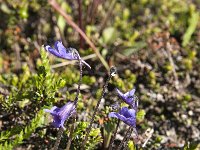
{"points": [[60, 51], [60, 47], [126, 115], [66, 110], [132, 112], [65, 53], [130, 121], [112, 115], [52, 109], [52, 50], [121, 95], [61, 114], [127, 97], [56, 123], [116, 115], [123, 110], [130, 93]]}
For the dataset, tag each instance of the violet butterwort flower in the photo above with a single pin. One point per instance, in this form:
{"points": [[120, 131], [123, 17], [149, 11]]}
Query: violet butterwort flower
{"points": [[128, 116], [128, 97], [61, 114], [65, 53]]}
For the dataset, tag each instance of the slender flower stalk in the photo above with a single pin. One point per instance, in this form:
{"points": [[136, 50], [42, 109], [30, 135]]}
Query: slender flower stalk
{"points": [[113, 71], [79, 83], [62, 114], [128, 116], [57, 143], [127, 139], [71, 134], [126, 136], [114, 135], [75, 103], [126, 146]]}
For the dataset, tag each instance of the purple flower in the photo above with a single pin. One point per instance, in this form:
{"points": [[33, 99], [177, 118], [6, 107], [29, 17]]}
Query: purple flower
{"points": [[128, 97], [65, 53], [61, 114], [126, 115]]}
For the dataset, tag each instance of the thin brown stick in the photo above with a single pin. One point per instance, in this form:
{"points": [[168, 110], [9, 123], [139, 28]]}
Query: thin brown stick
{"points": [[55, 5], [80, 21], [94, 8], [108, 15]]}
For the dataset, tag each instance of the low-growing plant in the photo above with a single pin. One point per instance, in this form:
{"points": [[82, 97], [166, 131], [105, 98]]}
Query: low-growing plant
{"points": [[39, 95]]}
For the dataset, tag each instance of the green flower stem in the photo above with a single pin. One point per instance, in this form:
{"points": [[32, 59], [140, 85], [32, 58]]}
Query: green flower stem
{"points": [[112, 73]]}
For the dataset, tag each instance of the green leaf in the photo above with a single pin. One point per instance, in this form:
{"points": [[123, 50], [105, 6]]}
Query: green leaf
{"points": [[131, 145], [192, 146], [109, 35], [5, 8], [61, 20], [140, 114], [23, 12], [107, 132], [24, 103], [193, 22], [61, 23], [137, 46]]}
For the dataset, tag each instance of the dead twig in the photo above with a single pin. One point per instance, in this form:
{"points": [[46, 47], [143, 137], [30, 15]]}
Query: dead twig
{"points": [[55, 5], [148, 133], [108, 15], [80, 21]]}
